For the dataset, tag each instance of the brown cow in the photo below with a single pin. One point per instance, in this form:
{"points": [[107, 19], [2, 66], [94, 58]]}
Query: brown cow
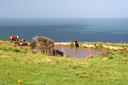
{"points": [[23, 43], [14, 38], [22, 40]]}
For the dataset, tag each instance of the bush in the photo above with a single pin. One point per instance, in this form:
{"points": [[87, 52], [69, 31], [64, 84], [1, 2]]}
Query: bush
{"points": [[71, 45], [44, 44], [32, 44]]}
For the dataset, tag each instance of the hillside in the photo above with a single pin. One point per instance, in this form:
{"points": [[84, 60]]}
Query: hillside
{"points": [[22, 66]]}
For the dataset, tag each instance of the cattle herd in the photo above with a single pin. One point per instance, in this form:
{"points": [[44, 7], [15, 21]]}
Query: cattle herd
{"points": [[15, 38], [42, 44]]}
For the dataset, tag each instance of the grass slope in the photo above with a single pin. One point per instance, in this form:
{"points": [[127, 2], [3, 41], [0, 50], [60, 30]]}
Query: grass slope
{"points": [[21, 66]]}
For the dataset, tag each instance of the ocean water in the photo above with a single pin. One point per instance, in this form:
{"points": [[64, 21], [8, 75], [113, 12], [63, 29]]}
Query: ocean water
{"points": [[90, 30]]}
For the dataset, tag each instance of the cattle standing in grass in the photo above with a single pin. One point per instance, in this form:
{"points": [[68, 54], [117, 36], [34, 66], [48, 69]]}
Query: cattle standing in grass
{"points": [[14, 38]]}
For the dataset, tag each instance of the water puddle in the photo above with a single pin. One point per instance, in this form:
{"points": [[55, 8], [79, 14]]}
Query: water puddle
{"points": [[78, 52]]}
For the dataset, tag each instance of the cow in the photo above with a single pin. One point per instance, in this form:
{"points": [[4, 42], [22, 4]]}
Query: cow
{"points": [[75, 43], [57, 53], [23, 43], [22, 40], [14, 38]]}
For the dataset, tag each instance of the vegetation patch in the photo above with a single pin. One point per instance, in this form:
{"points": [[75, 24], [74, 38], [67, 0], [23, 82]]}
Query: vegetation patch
{"points": [[21, 66]]}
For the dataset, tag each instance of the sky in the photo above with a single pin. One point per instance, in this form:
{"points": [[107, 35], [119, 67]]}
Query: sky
{"points": [[63, 8]]}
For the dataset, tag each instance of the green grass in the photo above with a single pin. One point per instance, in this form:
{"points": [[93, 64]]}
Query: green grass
{"points": [[31, 68], [106, 43]]}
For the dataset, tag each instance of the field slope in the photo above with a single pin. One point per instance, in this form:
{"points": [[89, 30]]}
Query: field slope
{"points": [[22, 66]]}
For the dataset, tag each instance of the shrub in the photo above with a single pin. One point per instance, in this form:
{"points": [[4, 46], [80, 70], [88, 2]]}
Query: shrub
{"points": [[32, 44], [16, 50], [44, 44], [71, 45]]}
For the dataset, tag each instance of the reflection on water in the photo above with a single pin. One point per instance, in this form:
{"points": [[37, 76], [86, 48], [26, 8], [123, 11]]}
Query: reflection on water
{"points": [[78, 52]]}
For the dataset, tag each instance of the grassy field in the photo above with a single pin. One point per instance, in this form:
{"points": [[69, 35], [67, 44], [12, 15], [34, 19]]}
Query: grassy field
{"points": [[122, 44], [21, 66]]}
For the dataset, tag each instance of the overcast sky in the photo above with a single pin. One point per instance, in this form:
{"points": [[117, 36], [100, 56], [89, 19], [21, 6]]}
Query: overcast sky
{"points": [[63, 8]]}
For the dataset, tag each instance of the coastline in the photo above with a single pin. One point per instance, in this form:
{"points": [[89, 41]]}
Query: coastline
{"points": [[87, 45]]}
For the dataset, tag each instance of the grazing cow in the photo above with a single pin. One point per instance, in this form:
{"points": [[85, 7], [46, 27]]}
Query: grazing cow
{"points": [[14, 38], [75, 43]]}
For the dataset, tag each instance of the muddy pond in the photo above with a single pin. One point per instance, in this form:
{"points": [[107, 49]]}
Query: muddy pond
{"points": [[78, 52]]}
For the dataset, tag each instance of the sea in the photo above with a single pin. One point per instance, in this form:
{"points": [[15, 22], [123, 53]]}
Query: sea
{"points": [[64, 30]]}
